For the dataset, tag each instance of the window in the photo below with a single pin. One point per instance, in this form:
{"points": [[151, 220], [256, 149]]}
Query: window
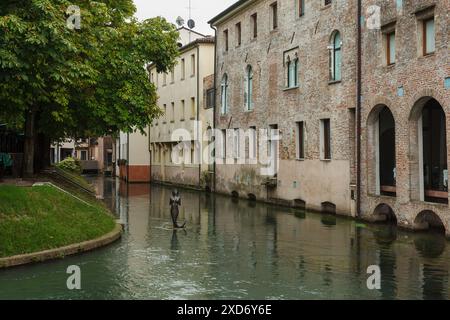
{"points": [[183, 69], [390, 46], [193, 108], [223, 146], [301, 7], [224, 94], [429, 44], [335, 57], [210, 95], [83, 155], [193, 65], [254, 18], [225, 39], [238, 33], [325, 139], [292, 72], [172, 75], [253, 146], [236, 142], [172, 115], [327, 2], [248, 89], [301, 140], [165, 113], [183, 110], [274, 9], [164, 79]]}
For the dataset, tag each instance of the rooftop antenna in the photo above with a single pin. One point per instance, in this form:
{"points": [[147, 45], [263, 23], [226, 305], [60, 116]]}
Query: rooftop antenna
{"points": [[191, 22]]}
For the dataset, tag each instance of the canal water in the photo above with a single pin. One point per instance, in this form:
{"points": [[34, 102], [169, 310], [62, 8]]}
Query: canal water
{"points": [[236, 249]]}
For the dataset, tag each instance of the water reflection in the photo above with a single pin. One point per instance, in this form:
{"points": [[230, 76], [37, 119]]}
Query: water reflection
{"points": [[239, 249]]}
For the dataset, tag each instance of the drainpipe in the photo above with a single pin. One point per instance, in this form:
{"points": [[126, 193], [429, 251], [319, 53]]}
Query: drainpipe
{"points": [[198, 114], [358, 110], [215, 102], [150, 153], [128, 157]]}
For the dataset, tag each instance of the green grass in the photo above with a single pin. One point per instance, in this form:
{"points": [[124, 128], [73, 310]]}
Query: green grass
{"points": [[76, 178], [40, 218]]}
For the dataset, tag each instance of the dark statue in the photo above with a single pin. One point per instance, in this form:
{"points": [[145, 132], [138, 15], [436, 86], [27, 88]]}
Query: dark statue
{"points": [[175, 203]]}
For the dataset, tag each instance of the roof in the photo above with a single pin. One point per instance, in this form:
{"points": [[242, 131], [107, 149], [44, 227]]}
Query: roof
{"points": [[197, 42], [227, 11], [192, 44], [190, 30]]}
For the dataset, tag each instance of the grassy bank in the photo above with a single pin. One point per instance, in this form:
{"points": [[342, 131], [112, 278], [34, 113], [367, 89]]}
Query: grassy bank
{"points": [[39, 218]]}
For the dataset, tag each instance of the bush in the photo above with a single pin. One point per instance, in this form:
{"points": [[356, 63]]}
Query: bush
{"points": [[70, 164]]}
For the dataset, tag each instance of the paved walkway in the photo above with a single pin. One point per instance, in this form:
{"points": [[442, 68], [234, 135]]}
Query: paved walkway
{"points": [[17, 182]]}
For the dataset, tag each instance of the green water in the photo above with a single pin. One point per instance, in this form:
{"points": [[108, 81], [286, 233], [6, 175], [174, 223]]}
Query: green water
{"points": [[238, 249]]}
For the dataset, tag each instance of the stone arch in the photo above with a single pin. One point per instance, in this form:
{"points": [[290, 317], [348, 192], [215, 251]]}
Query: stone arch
{"points": [[428, 162], [328, 207], [251, 197], [384, 213], [381, 151], [428, 219], [299, 204]]}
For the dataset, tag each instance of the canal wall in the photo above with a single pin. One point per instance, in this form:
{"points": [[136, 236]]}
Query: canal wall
{"points": [[60, 253]]}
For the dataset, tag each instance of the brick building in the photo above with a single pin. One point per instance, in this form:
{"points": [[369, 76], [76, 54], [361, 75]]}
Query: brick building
{"points": [[290, 65], [405, 114], [294, 65]]}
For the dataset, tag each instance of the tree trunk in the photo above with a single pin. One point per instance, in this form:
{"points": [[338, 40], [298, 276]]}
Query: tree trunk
{"points": [[29, 144], [41, 152]]}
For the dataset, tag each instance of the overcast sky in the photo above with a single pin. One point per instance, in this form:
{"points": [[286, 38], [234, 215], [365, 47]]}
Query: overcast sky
{"points": [[202, 10]]}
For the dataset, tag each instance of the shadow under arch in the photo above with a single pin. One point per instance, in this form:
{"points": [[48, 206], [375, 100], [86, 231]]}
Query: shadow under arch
{"points": [[384, 213], [381, 151], [428, 151], [428, 220]]}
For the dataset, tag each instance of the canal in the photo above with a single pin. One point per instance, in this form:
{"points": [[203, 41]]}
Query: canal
{"points": [[236, 249]]}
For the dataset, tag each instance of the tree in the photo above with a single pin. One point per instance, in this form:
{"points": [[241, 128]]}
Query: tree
{"points": [[58, 82]]}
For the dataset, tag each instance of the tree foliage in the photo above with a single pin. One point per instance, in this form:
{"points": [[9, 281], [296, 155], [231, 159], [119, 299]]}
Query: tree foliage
{"points": [[90, 81]]}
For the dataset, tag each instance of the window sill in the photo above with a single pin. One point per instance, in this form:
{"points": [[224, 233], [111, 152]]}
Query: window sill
{"points": [[192, 118], [291, 88], [237, 46], [300, 159], [192, 75], [427, 55], [326, 160], [248, 111], [274, 31], [390, 66], [326, 6], [332, 82]]}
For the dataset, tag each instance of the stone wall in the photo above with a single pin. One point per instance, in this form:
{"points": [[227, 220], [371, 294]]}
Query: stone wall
{"points": [[313, 180], [404, 88]]}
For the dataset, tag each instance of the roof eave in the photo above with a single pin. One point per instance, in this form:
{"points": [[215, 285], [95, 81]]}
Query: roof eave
{"points": [[228, 12]]}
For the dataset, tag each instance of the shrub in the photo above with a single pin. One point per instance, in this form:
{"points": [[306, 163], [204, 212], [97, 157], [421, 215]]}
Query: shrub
{"points": [[70, 164]]}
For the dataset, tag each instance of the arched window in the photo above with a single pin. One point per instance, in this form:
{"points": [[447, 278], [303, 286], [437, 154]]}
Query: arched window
{"points": [[292, 72], [224, 94], [248, 89], [335, 56]]}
